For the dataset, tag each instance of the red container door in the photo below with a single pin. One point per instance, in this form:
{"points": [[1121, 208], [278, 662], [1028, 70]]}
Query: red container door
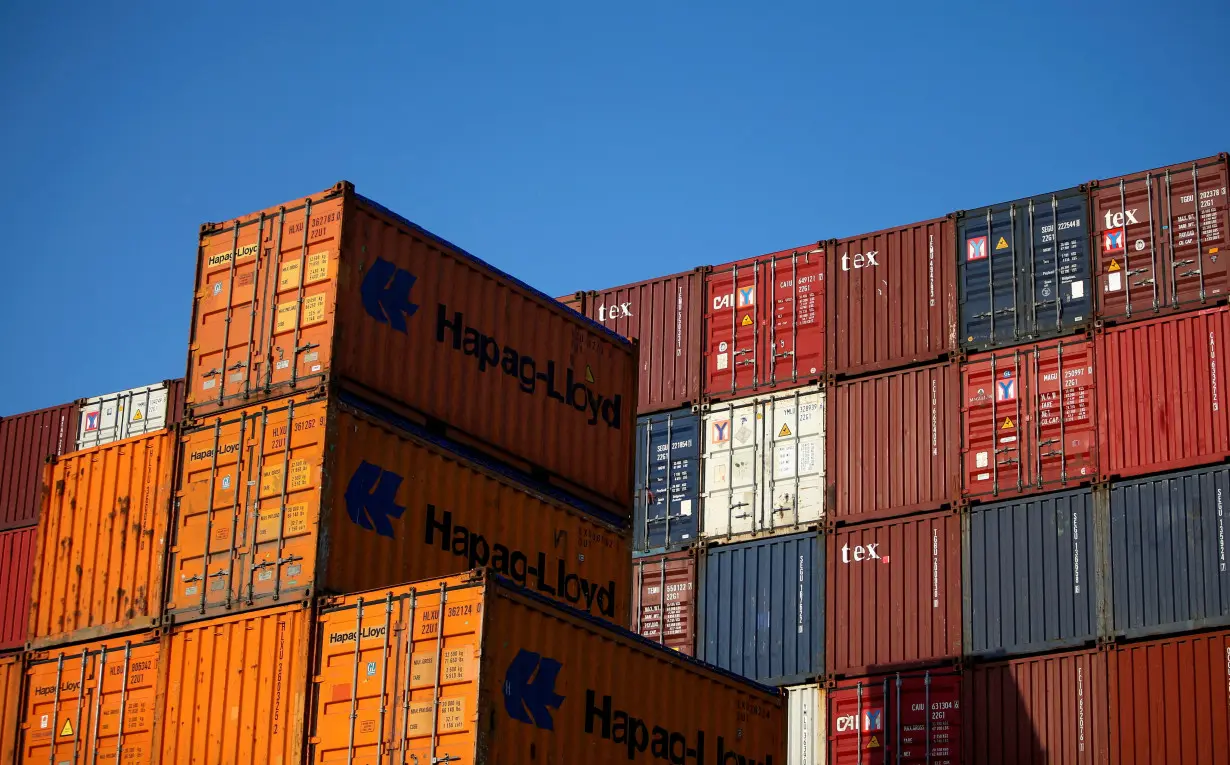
{"points": [[664, 600], [1028, 419], [1161, 406], [1162, 238], [764, 323], [899, 718]]}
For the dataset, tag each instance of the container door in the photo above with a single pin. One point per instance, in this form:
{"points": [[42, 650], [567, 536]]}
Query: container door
{"points": [[794, 461], [990, 267], [733, 432], [795, 341], [122, 415], [893, 719], [667, 480], [732, 324], [1059, 282], [665, 591]]}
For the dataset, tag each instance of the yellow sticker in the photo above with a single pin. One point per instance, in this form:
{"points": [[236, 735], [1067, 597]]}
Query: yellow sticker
{"points": [[1114, 265], [289, 276], [589, 374], [286, 316], [67, 730], [785, 431], [747, 320], [271, 477], [318, 266], [1007, 424], [452, 717], [137, 416], [873, 743], [1002, 244], [293, 520], [456, 667], [314, 309]]}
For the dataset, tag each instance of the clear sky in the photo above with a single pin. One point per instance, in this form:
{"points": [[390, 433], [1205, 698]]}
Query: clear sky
{"points": [[574, 144]]}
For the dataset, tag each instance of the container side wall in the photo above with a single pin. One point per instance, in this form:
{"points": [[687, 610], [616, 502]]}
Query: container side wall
{"points": [[664, 609], [12, 673], [913, 717], [667, 510], [17, 553], [806, 715], [26, 441]]}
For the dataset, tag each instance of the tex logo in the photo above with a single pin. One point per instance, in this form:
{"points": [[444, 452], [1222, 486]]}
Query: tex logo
{"points": [[386, 294], [1005, 388], [976, 248], [529, 689], [371, 498], [1113, 240]]}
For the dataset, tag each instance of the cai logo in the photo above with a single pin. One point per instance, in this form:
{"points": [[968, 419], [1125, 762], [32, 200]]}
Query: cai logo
{"points": [[529, 689], [371, 498], [386, 294]]}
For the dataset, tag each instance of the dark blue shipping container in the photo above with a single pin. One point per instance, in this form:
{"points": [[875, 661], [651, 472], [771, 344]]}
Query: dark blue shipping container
{"points": [[1017, 282], [760, 612], [1168, 568], [666, 514]]}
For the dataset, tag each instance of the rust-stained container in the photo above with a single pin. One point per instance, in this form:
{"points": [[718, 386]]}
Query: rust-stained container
{"points": [[892, 298], [664, 599], [1027, 420], [236, 689], [1161, 238], [1160, 404], [17, 548], [92, 703], [894, 594], [664, 315], [26, 441], [1049, 708], [481, 672], [371, 500], [1169, 701], [363, 296], [12, 673], [912, 717], [764, 323], [892, 443], [102, 541]]}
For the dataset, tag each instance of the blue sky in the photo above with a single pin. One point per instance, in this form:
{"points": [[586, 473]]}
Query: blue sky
{"points": [[576, 145]]}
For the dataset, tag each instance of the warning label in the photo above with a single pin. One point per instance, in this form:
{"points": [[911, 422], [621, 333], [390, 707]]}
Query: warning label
{"points": [[747, 320], [1114, 265], [1002, 244], [873, 743], [589, 374], [1007, 424], [67, 730], [785, 431]]}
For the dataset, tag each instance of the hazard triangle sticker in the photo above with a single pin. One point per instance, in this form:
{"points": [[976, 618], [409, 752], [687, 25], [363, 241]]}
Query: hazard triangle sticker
{"points": [[137, 416], [1114, 265], [589, 374], [67, 730], [1007, 424], [747, 320], [785, 431], [873, 743], [1002, 244]]}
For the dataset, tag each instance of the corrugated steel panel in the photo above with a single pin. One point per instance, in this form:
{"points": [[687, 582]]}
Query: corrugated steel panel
{"points": [[1168, 567], [363, 297], [894, 594], [1050, 709], [807, 713], [129, 413], [1161, 406], [892, 443], [1161, 246], [764, 323], [26, 441], [17, 550], [1169, 701], [761, 608], [1027, 423], [102, 541], [763, 462], [1029, 574], [664, 600], [12, 673], [1017, 283], [915, 717], [667, 511], [892, 297]]}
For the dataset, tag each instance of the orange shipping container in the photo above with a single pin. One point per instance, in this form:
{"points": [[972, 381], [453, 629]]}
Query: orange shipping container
{"points": [[472, 671], [91, 703], [371, 501], [12, 670], [101, 555], [364, 296]]}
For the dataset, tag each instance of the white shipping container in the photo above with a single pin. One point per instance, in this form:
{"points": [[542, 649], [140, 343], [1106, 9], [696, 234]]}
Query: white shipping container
{"points": [[806, 716], [123, 414], [763, 462]]}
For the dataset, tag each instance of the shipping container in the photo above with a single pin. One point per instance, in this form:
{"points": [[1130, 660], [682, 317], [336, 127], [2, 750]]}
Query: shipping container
{"points": [[12, 673], [912, 717], [1029, 573], [894, 594], [667, 511], [1023, 431], [366, 298], [761, 608], [237, 689], [26, 441], [1169, 701], [806, 714], [92, 702], [474, 671], [1168, 567], [1159, 234], [1024, 270], [664, 316], [763, 464], [664, 600], [129, 413], [17, 550], [892, 298], [892, 443], [102, 541], [357, 497], [1160, 405], [764, 323]]}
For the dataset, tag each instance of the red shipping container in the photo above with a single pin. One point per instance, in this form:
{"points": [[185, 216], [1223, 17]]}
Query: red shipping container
{"points": [[764, 323], [26, 441], [664, 314], [1020, 435], [892, 298], [1160, 405], [1161, 246], [664, 600], [892, 443], [893, 597], [903, 717], [1049, 709], [16, 569], [1169, 701]]}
